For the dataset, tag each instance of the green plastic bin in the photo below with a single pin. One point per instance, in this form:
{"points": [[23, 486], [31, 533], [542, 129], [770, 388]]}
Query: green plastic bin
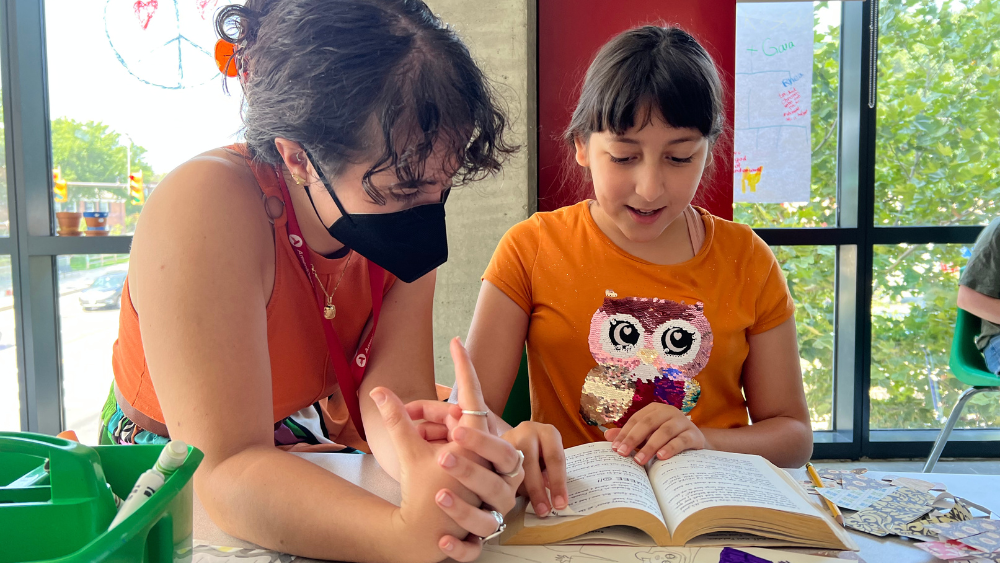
{"points": [[67, 519]]}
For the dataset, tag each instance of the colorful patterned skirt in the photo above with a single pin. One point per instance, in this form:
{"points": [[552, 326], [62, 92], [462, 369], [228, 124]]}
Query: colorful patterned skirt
{"points": [[305, 430]]}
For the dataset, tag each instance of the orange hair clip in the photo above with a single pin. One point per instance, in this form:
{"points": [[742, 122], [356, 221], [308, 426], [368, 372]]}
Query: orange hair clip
{"points": [[225, 57]]}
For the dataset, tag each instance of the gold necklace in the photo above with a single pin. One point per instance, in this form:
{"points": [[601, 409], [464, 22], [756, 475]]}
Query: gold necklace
{"points": [[330, 311]]}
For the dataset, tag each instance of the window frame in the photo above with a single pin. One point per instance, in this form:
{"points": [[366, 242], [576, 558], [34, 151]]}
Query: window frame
{"points": [[33, 245], [855, 237]]}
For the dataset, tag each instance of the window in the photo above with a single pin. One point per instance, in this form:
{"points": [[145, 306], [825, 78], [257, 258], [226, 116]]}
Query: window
{"points": [[938, 117], [131, 94], [811, 275], [898, 193], [154, 100], [90, 294], [10, 404], [820, 208]]}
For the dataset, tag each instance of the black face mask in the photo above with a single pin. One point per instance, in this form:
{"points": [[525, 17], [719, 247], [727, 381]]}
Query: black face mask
{"points": [[408, 244]]}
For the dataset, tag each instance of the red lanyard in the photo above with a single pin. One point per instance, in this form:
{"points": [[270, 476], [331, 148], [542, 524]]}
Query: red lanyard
{"points": [[349, 374]]}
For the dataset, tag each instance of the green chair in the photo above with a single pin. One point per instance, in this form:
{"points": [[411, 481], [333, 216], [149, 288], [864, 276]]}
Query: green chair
{"points": [[969, 367], [518, 407]]}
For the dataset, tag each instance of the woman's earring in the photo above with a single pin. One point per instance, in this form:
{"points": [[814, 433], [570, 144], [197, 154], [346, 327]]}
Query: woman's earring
{"points": [[298, 157], [299, 180]]}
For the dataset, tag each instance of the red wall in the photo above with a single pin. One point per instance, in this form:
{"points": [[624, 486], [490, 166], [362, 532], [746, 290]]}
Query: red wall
{"points": [[570, 32]]}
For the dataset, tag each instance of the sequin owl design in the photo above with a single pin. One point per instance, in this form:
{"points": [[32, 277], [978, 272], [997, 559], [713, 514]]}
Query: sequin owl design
{"points": [[647, 350]]}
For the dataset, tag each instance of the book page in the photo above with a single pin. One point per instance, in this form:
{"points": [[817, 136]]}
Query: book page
{"points": [[698, 479], [612, 535], [597, 479]]}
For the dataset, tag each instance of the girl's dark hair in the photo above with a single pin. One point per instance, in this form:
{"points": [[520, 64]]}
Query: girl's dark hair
{"points": [[647, 71], [359, 79]]}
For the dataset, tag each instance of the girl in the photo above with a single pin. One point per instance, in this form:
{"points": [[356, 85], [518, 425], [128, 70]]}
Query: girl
{"points": [[280, 292], [648, 322]]}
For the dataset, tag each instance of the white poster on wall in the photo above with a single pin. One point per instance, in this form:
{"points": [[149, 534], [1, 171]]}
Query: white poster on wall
{"points": [[774, 58]]}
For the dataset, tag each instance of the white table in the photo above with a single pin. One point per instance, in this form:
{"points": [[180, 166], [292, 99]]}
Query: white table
{"points": [[365, 472]]}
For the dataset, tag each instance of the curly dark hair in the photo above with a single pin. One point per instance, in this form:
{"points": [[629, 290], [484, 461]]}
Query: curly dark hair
{"points": [[361, 80]]}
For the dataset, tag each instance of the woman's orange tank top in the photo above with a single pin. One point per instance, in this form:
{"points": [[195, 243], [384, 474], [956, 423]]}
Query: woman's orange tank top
{"points": [[301, 370]]}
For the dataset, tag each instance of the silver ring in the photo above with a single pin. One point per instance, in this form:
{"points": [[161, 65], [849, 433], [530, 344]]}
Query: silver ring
{"points": [[501, 526], [517, 468], [476, 413]]}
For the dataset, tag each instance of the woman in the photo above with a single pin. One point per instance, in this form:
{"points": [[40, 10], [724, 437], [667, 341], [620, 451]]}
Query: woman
{"points": [[280, 293]]}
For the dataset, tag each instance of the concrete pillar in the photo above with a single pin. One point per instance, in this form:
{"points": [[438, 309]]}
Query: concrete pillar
{"points": [[501, 36]]}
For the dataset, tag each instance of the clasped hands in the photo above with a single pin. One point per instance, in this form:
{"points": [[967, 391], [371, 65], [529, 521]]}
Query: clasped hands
{"points": [[450, 463], [486, 471]]}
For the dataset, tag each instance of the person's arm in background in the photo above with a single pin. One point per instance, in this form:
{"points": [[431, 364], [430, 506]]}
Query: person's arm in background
{"points": [[979, 287], [982, 306]]}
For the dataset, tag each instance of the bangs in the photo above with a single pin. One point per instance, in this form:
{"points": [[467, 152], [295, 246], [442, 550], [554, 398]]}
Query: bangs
{"points": [[645, 73]]}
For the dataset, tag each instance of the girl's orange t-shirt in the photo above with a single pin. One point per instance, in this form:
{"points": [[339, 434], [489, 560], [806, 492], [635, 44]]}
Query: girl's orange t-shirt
{"points": [[610, 332]]}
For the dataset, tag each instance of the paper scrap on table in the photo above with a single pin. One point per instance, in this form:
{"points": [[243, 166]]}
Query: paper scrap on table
{"points": [[853, 499], [861, 483], [987, 542], [836, 474], [730, 555], [203, 553], [920, 528], [919, 484], [889, 514], [959, 530], [810, 487], [948, 550]]}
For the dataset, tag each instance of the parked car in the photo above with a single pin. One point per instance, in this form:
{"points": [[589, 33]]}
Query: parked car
{"points": [[106, 291]]}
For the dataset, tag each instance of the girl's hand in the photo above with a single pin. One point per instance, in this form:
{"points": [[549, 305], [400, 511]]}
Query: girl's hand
{"points": [[662, 430], [544, 464], [544, 461]]}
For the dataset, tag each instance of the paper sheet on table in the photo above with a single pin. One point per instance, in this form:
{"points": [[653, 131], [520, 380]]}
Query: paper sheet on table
{"points": [[204, 553], [612, 554]]}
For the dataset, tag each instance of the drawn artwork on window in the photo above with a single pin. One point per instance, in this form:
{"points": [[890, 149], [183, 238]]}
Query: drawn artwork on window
{"points": [[164, 43], [774, 60]]}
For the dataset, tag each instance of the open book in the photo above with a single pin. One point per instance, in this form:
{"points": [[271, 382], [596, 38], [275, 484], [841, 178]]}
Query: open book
{"points": [[699, 497]]}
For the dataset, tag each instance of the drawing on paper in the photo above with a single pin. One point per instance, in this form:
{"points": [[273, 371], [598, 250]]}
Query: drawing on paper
{"points": [[167, 44], [750, 178], [772, 142]]}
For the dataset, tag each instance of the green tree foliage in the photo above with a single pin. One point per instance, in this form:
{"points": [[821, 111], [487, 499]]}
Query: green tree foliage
{"points": [[937, 163], [92, 152], [939, 113]]}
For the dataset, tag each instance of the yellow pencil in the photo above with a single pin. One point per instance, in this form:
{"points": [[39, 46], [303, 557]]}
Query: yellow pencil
{"points": [[819, 485]]}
